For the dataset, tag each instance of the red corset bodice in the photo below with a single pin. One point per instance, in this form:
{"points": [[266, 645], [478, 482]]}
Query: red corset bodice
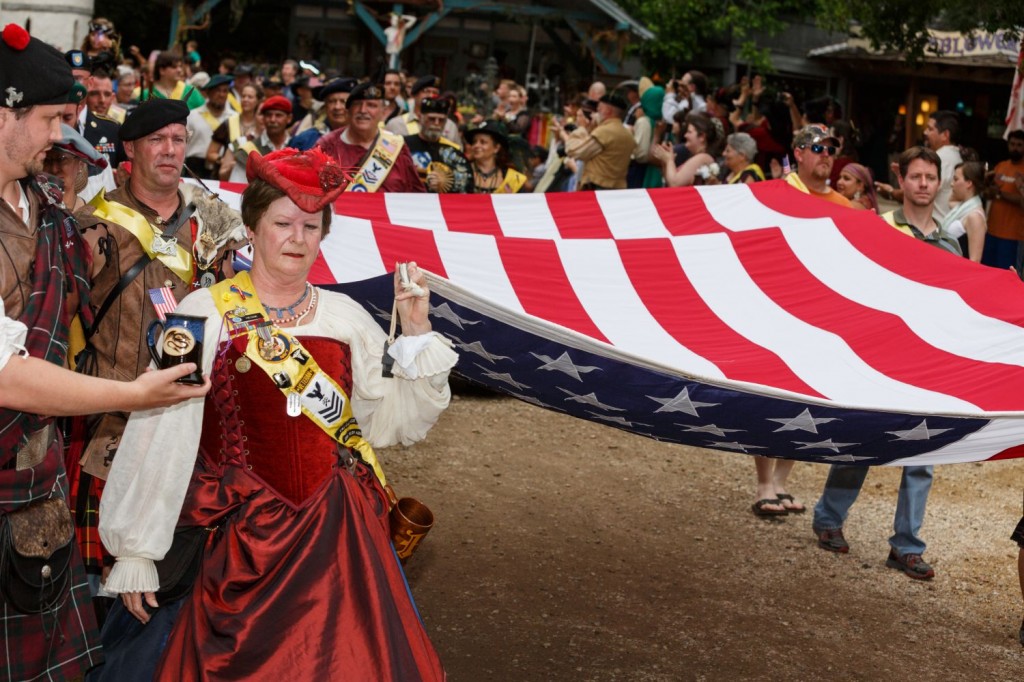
{"points": [[245, 424]]}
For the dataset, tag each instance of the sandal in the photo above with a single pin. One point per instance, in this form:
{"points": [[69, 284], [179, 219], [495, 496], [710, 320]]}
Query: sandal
{"points": [[793, 507], [759, 508]]}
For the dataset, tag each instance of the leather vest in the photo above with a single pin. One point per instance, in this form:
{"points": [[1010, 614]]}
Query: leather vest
{"points": [[17, 253], [120, 340]]}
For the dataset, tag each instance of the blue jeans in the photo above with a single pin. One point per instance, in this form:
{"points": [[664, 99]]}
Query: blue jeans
{"points": [[843, 485], [132, 650]]}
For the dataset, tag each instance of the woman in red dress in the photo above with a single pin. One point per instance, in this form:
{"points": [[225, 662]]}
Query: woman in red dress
{"points": [[297, 578]]}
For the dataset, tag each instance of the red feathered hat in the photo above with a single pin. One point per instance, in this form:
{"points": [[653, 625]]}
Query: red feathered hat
{"points": [[311, 178]]}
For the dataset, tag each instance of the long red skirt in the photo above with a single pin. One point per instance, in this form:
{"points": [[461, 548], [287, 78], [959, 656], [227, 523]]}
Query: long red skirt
{"points": [[290, 594]]}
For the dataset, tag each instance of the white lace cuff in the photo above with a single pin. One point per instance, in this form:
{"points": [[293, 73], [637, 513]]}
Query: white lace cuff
{"points": [[133, 574], [425, 355]]}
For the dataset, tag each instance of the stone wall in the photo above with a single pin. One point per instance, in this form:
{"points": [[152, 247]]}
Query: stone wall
{"points": [[62, 23]]}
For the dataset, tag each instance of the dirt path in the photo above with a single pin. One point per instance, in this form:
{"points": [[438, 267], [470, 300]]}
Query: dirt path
{"points": [[565, 550]]}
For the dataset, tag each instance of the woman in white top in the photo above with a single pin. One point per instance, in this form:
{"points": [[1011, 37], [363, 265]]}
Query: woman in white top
{"points": [[275, 469], [703, 138], [966, 219]]}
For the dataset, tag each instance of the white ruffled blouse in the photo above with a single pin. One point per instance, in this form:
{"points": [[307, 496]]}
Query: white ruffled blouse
{"points": [[148, 480]]}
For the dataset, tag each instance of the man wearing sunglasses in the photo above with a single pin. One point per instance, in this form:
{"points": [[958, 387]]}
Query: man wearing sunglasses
{"points": [[815, 151]]}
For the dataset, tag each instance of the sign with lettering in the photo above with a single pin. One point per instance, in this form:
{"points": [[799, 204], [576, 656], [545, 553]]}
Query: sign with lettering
{"points": [[981, 44]]}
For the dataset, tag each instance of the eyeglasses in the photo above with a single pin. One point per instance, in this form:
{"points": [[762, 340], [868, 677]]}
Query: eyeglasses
{"points": [[820, 149], [55, 158]]}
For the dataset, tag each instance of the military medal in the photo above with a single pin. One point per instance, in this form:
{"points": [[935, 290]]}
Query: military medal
{"points": [[243, 364], [294, 404], [263, 331]]}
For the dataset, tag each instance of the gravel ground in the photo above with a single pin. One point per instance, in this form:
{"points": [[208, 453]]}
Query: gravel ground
{"points": [[567, 550]]}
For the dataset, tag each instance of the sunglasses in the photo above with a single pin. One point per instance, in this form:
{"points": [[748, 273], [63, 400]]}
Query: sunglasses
{"points": [[821, 149]]}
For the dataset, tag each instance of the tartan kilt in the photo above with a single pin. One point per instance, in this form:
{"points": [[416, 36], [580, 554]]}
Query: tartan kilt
{"points": [[52, 646], [57, 645], [85, 510]]}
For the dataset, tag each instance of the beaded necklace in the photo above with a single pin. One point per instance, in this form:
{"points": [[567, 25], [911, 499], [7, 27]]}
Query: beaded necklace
{"points": [[488, 180], [298, 316], [289, 308]]}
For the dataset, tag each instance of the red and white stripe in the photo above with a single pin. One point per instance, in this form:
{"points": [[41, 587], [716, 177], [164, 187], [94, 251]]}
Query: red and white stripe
{"points": [[753, 285]]}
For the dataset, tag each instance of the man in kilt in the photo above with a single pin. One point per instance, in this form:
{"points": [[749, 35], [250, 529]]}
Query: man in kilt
{"points": [[43, 285]]}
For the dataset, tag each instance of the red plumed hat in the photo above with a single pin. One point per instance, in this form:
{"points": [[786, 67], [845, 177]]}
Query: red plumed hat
{"points": [[311, 179]]}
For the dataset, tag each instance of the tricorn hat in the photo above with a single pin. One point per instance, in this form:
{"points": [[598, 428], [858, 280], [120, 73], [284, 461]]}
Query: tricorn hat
{"points": [[496, 129]]}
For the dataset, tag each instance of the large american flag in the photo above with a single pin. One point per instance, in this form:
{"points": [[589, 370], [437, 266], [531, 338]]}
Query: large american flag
{"points": [[748, 318]]}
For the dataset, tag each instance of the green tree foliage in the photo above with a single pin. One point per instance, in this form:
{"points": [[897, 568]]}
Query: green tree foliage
{"points": [[902, 25], [686, 27]]}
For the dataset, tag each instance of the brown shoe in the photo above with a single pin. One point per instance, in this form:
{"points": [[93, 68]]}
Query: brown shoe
{"points": [[832, 539], [911, 564]]}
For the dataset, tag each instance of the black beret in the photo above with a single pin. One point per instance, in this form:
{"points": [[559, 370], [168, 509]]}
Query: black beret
{"points": [[426, 82], [434, 105], [216, 81], [77, 93], [78, 60], [31, 72], [333, 86], [152, 115], [365, 91]]}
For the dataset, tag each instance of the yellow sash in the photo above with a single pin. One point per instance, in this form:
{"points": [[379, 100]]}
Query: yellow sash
{"points": [[152, 92], [753, 168], [179, 262], [211, 120], [512, 183], [378, 164], [412, 126], [239, 142], [291, 367], [794, 181], [890, 218]]}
